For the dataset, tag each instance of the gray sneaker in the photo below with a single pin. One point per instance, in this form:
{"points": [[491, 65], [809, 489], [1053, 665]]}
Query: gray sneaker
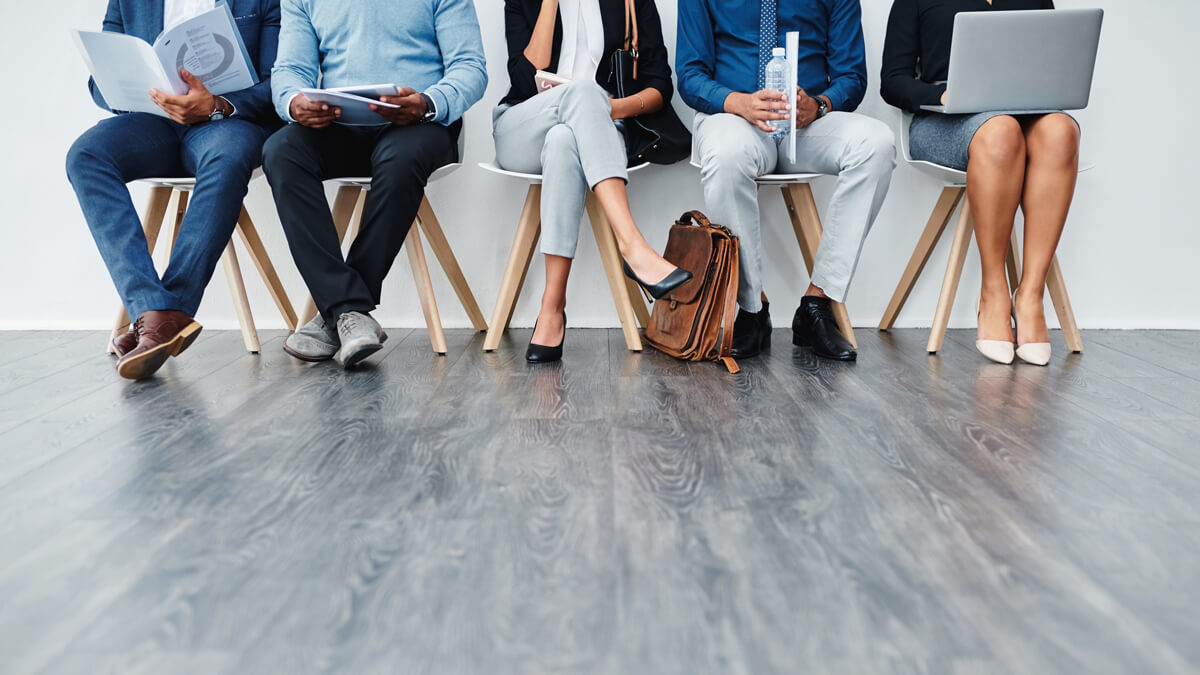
{"points": [[314, 341], [360, 336]]}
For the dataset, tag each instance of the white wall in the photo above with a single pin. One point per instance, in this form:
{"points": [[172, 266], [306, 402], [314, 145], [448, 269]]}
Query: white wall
{"points": [[1128, 252]]}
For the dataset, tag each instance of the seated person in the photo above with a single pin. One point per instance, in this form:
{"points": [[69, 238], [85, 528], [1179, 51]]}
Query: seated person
{"points": [[1011, 160], [568, 135], [216, 139], [724, 46], [432, 51]]}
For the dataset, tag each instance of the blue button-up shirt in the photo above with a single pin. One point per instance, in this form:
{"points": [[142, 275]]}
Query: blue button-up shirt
{"points": [[717, 49]]}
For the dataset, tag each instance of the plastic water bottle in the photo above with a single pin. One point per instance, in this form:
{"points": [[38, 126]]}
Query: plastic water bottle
{"points": [[776, 79]]}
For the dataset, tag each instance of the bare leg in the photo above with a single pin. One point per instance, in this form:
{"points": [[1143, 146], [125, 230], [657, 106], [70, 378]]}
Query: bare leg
{"points": [[1053, 165], [995, 177], [646, 263], [550, 327]]}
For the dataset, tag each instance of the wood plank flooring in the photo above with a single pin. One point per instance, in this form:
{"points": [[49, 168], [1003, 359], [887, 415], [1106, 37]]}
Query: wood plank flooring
{"points": [[616, 513]]}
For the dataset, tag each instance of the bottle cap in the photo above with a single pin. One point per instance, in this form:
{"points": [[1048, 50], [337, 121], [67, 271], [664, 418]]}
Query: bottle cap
{"points": [[778, 51]]}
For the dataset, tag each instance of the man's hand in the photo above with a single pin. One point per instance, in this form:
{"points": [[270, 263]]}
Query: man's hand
{"points": [[412, 107], [193, 107], [759, 108], [806, 108], [313, 114]]}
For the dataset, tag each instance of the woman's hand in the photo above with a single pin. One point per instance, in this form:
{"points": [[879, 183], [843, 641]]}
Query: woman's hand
{"points": [[943, 98]]}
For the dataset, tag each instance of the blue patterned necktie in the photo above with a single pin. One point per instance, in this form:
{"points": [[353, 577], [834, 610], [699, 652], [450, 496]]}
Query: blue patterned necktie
{"points": [[768, 37]]}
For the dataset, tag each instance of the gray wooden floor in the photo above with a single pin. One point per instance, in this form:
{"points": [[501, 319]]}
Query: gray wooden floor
{"points": [[615, 513]]}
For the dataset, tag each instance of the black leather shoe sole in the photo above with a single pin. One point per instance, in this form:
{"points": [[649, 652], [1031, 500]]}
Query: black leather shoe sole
{"points": [[801, 340]]}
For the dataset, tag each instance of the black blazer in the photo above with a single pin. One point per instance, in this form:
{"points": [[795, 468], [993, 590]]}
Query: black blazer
{"points": [[654, 69]]}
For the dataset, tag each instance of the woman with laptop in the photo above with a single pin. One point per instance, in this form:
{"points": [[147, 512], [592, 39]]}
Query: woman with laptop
{"points": [[557, 120], [1012, 160]]}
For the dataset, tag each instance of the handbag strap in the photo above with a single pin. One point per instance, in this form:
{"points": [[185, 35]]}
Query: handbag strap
{"points": [[700, 219], [631, 33]]}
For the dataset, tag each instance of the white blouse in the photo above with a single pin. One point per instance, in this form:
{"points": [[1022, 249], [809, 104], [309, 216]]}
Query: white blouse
{"points": [[583, 39], [177, 11]]}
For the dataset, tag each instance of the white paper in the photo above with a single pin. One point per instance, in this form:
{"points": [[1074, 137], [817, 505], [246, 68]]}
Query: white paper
{"points": [[356, 111], [792, 47], [126, 68]]}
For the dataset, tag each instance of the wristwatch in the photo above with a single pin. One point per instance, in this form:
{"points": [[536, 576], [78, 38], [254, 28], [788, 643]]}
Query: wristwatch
{"points": [[822, 108], [218, 112], [430, 109]]}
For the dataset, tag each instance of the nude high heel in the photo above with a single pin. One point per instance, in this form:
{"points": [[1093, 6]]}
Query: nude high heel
{"points": [[1035, 353], [1000, 351]]}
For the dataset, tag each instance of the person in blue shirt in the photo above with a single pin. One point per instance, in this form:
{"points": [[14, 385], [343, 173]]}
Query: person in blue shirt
{"points": [[216, 139], [432, 51], [722, 50]]}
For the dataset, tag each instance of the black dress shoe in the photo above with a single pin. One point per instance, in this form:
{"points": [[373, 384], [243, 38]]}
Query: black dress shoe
{"points": [[751, 333], [816, 327], [674, 280], [543, 354]]}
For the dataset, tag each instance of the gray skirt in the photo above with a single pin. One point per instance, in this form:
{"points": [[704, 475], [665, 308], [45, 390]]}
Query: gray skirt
{"points": [[946, 139]]}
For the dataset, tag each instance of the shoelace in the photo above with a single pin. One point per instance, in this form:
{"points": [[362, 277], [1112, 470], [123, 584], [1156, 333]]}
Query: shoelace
{"points": [[349, 323]]}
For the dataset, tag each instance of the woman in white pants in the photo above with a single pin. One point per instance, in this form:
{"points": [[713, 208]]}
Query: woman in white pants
{"points": [[570, 135]]}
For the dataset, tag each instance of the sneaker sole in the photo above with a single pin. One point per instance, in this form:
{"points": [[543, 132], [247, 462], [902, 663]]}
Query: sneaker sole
{"points": [[147, 363]]}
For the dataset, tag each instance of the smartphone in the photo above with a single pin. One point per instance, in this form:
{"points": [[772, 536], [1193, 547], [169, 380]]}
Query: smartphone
{"points": [[546, 81]]}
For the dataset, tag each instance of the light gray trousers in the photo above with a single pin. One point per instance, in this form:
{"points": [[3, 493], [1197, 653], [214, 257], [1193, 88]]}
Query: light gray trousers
{"points": [[732, 153], [567, 135]]}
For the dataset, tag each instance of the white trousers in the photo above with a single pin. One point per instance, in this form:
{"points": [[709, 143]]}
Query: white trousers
{"points": [[732, 153]]}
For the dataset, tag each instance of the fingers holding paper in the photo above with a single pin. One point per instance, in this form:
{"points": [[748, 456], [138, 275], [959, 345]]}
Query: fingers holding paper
{"points": [[405, 108], [313, 114], [191, 108]]}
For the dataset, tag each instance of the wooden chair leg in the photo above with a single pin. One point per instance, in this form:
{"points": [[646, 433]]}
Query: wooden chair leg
{"points": [[1057, 288], [938, 220], [266, 270], [529, 228], [1012, 262], [954, 268], [428, 221], [611, 257], [156, 212], [344, 206], [806, 221], [420, 271], [636, 299], [181, 206], [241, 303]]}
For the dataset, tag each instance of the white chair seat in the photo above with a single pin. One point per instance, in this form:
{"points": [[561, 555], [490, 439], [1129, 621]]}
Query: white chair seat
{"points": [[534, 178], [187, 183]]}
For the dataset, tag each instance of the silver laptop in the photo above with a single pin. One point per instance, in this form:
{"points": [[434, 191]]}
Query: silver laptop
{"points": [[1024, 61]]}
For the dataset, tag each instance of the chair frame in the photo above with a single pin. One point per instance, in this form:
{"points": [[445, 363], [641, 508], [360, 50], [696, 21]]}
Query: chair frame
{"points": [[954, 196], [625, 291], [165, 190]]}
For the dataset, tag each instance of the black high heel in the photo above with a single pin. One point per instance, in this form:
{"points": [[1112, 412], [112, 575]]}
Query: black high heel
{"points": [[543, 354], [674, 280]]}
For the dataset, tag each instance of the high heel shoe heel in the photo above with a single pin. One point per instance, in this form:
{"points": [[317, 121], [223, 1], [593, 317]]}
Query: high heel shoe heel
{"points": [[1000, 351], [542, 354], [674, 280], [1034, 353]]}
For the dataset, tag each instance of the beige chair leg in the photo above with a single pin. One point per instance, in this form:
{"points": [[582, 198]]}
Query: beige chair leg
{"points": [[1062, 306], [806, 221], [241, 303], [1012, 262], [954, 268], [156, 212], [344, 206], [420, 271], [181, 204], [611, 257], [938, 220], [428, 221], [636, 299], [266, 270], [529, 228]]}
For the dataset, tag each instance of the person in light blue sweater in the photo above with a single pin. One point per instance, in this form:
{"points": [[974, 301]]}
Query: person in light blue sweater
{"points": [[432, 52]]}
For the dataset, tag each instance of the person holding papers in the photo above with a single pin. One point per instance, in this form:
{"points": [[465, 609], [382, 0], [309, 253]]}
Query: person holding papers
{"points": [[431, 52], [723, 48], [570, 135], [216, 139], [1011, 160]]}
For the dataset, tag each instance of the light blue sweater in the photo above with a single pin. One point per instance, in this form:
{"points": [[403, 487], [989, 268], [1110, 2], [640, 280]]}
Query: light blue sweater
{"points": [[433, 46]]}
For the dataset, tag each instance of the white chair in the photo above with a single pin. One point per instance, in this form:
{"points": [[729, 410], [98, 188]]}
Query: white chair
{"points": [[806, 223], [162, 191], [347, 216], [625, 292], [954, 191]]}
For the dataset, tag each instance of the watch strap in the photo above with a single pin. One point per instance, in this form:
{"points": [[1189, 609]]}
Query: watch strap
{"points": [[430, 108]]}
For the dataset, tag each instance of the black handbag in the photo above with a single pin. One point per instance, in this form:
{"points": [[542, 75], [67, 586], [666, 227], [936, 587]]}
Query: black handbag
{"points": [[660, 137]]}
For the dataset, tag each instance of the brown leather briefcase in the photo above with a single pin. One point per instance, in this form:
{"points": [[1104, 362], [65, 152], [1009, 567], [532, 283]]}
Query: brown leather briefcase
{"points": [[695, 321]]}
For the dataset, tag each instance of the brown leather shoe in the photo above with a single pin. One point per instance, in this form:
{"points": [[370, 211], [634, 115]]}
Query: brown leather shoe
{"points": [[125, 342], [161, 335]]}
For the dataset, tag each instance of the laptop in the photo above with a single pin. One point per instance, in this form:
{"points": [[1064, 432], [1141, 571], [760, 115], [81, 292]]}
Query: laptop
{"points": [[1031, 61]]}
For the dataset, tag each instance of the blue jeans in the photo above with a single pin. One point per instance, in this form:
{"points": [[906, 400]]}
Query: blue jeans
{"points": [[220, 155]]}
